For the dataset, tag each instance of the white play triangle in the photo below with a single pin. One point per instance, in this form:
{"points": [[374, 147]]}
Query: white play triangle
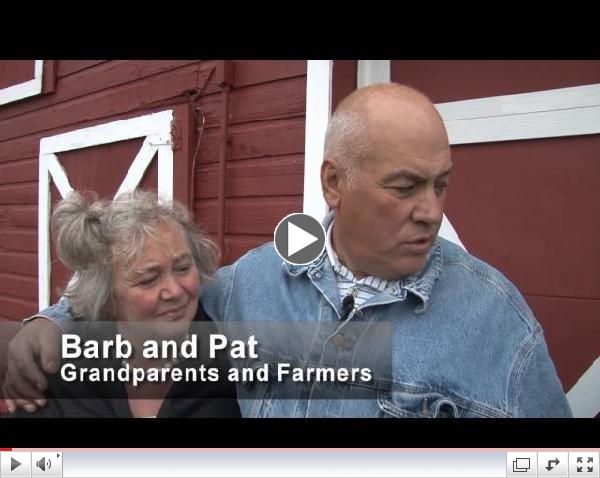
{"points": [[298, 239]]}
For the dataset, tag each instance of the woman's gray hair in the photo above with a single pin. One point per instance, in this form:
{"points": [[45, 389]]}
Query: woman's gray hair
{"points": [[89, 234]]}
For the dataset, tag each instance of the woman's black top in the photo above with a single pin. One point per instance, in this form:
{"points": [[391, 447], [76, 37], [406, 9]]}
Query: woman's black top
{"points": [[203, 399]]}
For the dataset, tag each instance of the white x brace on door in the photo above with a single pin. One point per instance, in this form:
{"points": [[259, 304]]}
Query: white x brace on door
{"points": [[155, 128]]}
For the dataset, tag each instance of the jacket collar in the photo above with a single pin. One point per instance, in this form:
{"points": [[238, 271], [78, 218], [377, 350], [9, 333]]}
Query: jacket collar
{"points": [[420, 284]]}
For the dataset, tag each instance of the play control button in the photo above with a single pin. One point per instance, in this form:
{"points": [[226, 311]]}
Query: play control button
{"points": [[15, 464], [299, 239]]}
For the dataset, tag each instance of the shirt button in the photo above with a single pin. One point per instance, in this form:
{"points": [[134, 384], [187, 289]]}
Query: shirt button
{"points": [[318, 275], [339, 340]]}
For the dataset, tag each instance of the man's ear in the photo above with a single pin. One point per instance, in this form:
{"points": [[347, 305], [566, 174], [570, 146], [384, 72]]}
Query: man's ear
{"points": [[331, 180]]}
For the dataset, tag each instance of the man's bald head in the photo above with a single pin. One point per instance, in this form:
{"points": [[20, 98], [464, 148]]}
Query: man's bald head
{"points": [[367, 113], [385, 172], [361, 99]]}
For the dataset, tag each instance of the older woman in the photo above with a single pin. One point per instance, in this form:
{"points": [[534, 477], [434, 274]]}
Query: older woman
{"points": [[138, 262]]}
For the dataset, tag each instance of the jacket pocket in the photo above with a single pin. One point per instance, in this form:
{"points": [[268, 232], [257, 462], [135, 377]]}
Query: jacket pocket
{"points": [[414, 402], [268, 394]]}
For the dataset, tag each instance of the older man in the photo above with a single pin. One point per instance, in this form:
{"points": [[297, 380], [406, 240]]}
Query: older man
{"points": [[462, 341]]}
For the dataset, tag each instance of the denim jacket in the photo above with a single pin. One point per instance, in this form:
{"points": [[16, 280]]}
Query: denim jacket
{"points": [[462, 341]]}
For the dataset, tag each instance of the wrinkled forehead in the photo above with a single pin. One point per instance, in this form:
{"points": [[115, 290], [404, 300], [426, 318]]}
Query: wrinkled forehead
{"points": [[421, 155], [134, 244]]}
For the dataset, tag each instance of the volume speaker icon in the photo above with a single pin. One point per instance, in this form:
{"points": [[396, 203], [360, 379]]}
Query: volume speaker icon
{"points": [[43, 463]]}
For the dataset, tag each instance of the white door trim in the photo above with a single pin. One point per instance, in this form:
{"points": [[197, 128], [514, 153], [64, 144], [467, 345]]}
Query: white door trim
{"points": [[318, 110], [584, 396], [542, 114], [369, 72]]}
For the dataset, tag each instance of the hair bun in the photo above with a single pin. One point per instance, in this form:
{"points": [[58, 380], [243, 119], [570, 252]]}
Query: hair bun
{"points": [[77, 230]]}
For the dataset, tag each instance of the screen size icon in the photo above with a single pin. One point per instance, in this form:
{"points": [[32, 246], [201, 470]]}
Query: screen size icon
{"points": [[521, 465]]}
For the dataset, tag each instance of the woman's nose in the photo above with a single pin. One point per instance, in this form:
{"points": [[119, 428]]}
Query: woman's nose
{"points": [[171, 288]]}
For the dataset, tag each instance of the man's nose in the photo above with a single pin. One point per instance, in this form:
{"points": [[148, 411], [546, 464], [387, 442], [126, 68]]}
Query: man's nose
{"points": [[429, 208], [171, 288]]}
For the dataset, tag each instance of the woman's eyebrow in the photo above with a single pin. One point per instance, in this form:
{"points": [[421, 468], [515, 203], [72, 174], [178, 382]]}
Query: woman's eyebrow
{"points": [[147, 268], [182, 257]]}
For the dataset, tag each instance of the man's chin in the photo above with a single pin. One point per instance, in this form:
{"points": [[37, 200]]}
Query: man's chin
{"points": [[410, 268]]}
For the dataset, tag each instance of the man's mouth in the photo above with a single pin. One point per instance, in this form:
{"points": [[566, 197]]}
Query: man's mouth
{"points": [[419, 245]]}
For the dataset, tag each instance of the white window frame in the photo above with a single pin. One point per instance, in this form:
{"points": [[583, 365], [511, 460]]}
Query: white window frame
{"points": [[25, 89], [156, 130]]}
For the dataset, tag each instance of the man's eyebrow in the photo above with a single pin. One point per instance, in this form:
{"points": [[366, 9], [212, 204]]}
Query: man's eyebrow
{"points": [[411, 176], [389, 178], [445, 173]]}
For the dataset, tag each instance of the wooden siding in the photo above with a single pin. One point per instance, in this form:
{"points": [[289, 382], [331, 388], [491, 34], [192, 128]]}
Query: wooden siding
{"points": [[15, 71], [452, 80]]}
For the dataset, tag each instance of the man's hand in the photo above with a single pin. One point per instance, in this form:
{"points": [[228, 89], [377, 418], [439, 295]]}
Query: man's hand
{"points": [[34, 351]]}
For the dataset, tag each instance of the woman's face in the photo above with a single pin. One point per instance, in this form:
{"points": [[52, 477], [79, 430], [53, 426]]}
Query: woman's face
{"points": [[161, 285]]}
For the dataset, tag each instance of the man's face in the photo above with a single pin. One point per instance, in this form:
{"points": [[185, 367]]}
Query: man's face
{"points": [[388, 218]]}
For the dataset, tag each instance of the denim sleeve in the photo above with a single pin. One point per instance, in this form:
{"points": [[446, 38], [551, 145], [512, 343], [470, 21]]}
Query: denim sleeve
{"points": [[214, 294], [537, 389], [58, 313]]}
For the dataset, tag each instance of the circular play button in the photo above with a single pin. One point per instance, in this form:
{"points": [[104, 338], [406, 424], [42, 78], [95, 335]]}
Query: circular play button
{"points": [[299, 239]]}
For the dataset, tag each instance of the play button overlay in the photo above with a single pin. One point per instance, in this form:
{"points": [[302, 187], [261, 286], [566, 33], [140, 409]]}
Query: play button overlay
{"points": [[299, 239]]}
